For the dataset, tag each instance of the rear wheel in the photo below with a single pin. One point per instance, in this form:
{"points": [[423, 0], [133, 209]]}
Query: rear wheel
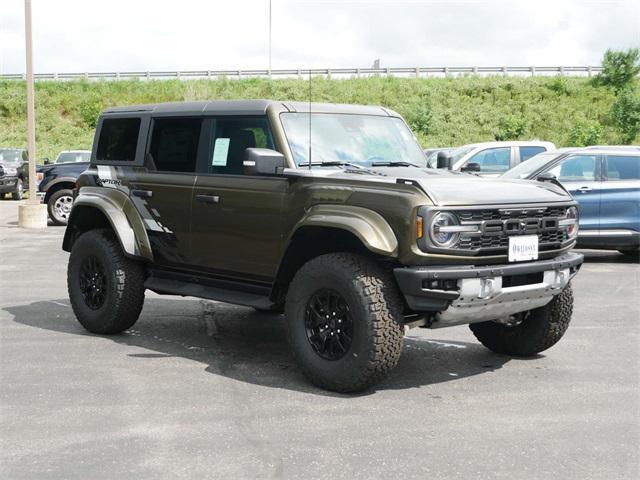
{"points": [[343, 317], [17, 193], [106, 289], [532, 332], [59, 206]]}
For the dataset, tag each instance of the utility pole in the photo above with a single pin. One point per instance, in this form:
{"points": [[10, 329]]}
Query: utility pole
{"points": [[269, 37], [32, 214]]}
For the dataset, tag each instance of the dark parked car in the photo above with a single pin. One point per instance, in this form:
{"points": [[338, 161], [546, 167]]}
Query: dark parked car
{"points": [[13, 172], [606, 184], [343, 228], [56, 183]]}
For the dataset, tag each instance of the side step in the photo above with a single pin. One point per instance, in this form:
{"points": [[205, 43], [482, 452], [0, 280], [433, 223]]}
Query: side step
{"points": [[190, 286]]}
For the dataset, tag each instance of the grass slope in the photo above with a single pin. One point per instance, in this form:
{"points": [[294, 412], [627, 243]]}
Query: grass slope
{"points": [[442, 111]]}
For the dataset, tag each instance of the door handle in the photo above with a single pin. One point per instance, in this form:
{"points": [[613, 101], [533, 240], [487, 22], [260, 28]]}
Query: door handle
{"points": [[585, 189], [142, 193], [208, 198]]}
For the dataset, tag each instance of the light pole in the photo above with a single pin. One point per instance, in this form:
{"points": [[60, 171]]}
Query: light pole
{"points": [[32, 214], [269, 37]]}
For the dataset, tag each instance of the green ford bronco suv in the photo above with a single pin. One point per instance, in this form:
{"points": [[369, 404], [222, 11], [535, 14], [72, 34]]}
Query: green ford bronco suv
{"points": [[326, 212]]}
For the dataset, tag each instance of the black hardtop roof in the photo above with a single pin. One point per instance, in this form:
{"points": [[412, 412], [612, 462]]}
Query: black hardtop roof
{"points": [[246, 107]]}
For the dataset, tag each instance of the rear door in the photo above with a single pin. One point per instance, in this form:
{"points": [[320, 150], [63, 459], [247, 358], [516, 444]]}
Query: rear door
{"points": [[581, 175], [620, 203], [162, 191], [237, 222]]}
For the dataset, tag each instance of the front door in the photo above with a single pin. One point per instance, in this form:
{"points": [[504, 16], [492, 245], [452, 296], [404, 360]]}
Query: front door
{"points": [[237, 224], [580, 175]]}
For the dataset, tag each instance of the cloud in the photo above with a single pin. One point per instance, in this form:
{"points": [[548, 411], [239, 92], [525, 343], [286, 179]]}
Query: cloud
{"points": [[83, 35]]}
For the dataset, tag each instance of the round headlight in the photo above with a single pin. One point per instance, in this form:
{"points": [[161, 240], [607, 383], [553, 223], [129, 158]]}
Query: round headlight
{"points": [[571, 221], [440, 235]]}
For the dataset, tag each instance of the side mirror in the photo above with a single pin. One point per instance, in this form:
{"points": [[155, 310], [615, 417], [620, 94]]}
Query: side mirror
{"points": [[263, 161], [546, 177], [443, 161], [47, 161], [471, 167]]}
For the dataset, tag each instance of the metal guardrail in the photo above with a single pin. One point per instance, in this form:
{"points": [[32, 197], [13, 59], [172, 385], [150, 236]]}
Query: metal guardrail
{"points": [[329, 72]]}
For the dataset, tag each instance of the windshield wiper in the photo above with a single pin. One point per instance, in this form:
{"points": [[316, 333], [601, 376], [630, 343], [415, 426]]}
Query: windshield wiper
{"points": [[332, 163], [394, 164]]}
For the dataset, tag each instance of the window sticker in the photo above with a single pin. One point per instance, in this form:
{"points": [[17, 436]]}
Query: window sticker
{"points": [[220, 152]]}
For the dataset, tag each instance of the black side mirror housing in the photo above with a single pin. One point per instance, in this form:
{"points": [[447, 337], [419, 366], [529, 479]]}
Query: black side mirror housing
{"points": [[471, 167], [263, 161], [47, 161], [443, 161]]}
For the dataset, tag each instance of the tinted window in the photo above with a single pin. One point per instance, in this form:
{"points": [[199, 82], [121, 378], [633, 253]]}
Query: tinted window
{"points": [[575, 168], [231, 137], [528, 152], [493, 160], [174, 144], [118, 139], [623, 167]]}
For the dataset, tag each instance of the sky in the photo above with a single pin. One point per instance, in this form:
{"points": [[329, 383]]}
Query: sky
{"points": [[145, 35]]}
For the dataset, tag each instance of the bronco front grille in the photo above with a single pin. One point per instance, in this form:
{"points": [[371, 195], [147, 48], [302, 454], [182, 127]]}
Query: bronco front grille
{"points": [[496, 225]]}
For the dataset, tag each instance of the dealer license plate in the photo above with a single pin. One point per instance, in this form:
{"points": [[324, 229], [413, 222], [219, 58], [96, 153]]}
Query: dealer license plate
{"points": [[522, 248]]}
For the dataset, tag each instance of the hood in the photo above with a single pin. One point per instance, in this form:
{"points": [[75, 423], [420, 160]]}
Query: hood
{"points": [[447, 188], [489, 191]]}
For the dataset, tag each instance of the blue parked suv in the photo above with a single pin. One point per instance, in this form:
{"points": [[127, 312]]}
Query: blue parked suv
{"points": [[606, 184]]}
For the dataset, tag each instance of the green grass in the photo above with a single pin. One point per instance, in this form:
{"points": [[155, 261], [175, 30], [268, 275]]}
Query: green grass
{"points": [[442, 111]]}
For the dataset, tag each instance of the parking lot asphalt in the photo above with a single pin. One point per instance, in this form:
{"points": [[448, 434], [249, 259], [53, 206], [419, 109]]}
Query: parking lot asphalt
{"points": [[204, 390]]}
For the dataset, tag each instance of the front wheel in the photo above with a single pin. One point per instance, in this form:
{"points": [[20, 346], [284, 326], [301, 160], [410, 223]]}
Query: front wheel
{"points": [[343, 314], [17, 193], [536, 330], [59, 206], [106, 289]]}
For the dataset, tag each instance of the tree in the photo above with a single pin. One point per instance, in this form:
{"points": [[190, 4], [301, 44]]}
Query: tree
{"points": [[625, 113], [619, 68]]}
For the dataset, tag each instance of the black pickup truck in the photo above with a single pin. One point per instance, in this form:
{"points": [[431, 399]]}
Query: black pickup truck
{"points": [[56, 183]]}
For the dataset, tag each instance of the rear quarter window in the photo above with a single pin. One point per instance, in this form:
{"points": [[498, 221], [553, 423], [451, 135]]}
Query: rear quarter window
{"points": [[118, 140], [528, 152]]}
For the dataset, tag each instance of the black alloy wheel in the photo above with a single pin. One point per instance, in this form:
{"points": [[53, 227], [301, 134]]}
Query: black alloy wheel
{"points": [[329, 324], [93, 282]]}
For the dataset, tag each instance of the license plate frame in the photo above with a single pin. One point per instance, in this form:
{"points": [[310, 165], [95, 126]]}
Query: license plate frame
{"points": [[523, 248]]}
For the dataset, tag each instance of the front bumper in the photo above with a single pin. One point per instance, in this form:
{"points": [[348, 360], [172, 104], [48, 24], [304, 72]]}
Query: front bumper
{"points": [[8, 184], [458, 295]]}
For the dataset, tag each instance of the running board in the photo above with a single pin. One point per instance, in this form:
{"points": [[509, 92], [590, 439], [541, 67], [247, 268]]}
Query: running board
{"points": [[175, 286]]}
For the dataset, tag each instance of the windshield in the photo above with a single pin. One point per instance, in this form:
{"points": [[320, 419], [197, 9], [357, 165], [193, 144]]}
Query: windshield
{"points": [[10, 156], [71, 157], [360, 139], [535, 163]]}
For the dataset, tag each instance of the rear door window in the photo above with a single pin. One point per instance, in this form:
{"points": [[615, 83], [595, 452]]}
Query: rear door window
{"points": [[118, 140], [623, 167], [174, 144], [528, 152], [493, 160]]}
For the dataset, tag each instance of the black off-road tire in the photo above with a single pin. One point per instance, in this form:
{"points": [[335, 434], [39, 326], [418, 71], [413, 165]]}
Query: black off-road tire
{"points": [[17, 193], [376, 309], [541, 329], [124, 284], [54, 215]]}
